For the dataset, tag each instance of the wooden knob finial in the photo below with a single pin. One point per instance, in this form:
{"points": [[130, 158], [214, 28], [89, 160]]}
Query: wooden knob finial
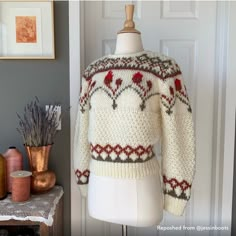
{"points": [[129, 25]]}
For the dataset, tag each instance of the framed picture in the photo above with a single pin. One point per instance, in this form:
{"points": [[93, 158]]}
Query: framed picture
{"points": [[27, 30]]}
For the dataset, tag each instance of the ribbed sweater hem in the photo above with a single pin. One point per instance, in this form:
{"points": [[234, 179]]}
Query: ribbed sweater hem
{"points": [[125, 170]]}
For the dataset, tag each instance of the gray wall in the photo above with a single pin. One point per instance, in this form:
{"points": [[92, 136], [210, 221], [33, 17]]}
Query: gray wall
{"points": [[21, 80]]}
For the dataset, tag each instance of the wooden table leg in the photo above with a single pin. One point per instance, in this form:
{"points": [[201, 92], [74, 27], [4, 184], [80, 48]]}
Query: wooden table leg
{"points": [[44, 230]]}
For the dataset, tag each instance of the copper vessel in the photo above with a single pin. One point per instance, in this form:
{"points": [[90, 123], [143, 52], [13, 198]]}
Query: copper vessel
{"points": [[3, 177], [42, 179]]}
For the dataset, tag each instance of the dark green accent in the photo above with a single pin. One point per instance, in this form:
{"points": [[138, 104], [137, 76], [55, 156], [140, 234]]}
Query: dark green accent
{"points": [[119, 160], [162, 69], [114, 98], [182, 100], [114, 105], [142, 106], [172, 193], [82, 183], [169, 107], [82, 109]]}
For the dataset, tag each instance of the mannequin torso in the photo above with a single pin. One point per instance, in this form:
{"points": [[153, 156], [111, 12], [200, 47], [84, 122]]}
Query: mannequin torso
{"points": [[126, 201]]}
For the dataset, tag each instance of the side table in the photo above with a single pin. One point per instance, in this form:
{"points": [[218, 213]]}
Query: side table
{"points": [[44, 210]]}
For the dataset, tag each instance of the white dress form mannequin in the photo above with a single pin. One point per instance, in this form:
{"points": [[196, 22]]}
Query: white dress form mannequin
{"points": [[128, 43], [126, 201]]}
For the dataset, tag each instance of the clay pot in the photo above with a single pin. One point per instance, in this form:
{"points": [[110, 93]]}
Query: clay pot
{"points": [[20, 186], [14, 163], [42, 179]]}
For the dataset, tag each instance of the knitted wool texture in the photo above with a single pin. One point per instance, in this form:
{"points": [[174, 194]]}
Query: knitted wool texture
{"points": [[128, 104]]}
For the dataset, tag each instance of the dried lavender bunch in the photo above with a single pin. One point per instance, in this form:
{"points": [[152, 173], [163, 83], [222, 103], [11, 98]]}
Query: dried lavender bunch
{"points": [[38, 126]]}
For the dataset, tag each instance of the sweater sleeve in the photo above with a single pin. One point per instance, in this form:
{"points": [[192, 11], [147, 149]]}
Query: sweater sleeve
{"points": [[178, 144], [81, 148]]}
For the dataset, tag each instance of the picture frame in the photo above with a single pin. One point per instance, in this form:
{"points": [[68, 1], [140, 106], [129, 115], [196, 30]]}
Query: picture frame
{"points": [[27, 29]]}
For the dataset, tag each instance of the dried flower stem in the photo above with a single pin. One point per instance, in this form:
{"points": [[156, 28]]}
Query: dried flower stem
{"points": [[38, 126]]}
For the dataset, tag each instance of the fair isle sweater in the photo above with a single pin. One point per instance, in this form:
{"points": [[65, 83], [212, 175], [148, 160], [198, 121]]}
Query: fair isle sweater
{"points": [[128, 103]]}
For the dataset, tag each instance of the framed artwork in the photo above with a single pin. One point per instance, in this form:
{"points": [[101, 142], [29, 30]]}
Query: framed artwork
{"points": [[27, 30]]}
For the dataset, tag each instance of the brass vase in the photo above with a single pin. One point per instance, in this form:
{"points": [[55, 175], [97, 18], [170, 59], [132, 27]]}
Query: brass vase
{"points": [[42, 178]]}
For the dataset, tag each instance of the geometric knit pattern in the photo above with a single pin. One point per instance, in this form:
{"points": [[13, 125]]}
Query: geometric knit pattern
{"points": [[82, 177], [161, 66], [177, 189], [129, 103], [121, 154]]}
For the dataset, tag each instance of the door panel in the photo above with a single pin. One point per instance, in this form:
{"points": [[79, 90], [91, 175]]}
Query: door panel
{"points": [[185, 31]]}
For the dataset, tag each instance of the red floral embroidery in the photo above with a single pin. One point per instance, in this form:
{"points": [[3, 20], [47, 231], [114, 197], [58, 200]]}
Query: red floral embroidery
{"points": [[84, 97], [143, 89], [168, 99], [93, 84], [112, 90], [108, 78], [137, 78], [149, 84], [118, 82], [178, 91], [178, 85], [171, 91]]}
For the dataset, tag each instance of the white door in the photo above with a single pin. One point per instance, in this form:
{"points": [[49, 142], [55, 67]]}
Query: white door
{"points": [[188, 31]]}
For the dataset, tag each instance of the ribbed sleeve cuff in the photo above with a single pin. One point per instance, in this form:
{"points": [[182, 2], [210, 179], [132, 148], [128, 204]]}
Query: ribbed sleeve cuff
{"points": [[174, 205], [83, 188]]}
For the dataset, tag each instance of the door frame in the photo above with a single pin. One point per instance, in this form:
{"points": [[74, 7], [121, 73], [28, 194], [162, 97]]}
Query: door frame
{"points": [[228, 119], [78, 222], [223, 124]]}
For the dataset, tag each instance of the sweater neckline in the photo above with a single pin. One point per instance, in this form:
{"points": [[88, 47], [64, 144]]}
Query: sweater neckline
{"points": [[135, 54]]}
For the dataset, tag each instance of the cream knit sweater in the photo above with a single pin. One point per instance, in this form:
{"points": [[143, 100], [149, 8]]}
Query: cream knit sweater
{"points": [[128, 104]]}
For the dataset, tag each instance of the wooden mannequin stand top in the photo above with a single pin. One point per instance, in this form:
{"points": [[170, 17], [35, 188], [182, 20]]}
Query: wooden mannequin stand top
{"points": [[129, 25]]}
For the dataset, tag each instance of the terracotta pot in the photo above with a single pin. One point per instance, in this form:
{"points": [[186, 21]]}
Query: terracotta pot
{"points": [[14, 163], [42, 179], [20, 185]]}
